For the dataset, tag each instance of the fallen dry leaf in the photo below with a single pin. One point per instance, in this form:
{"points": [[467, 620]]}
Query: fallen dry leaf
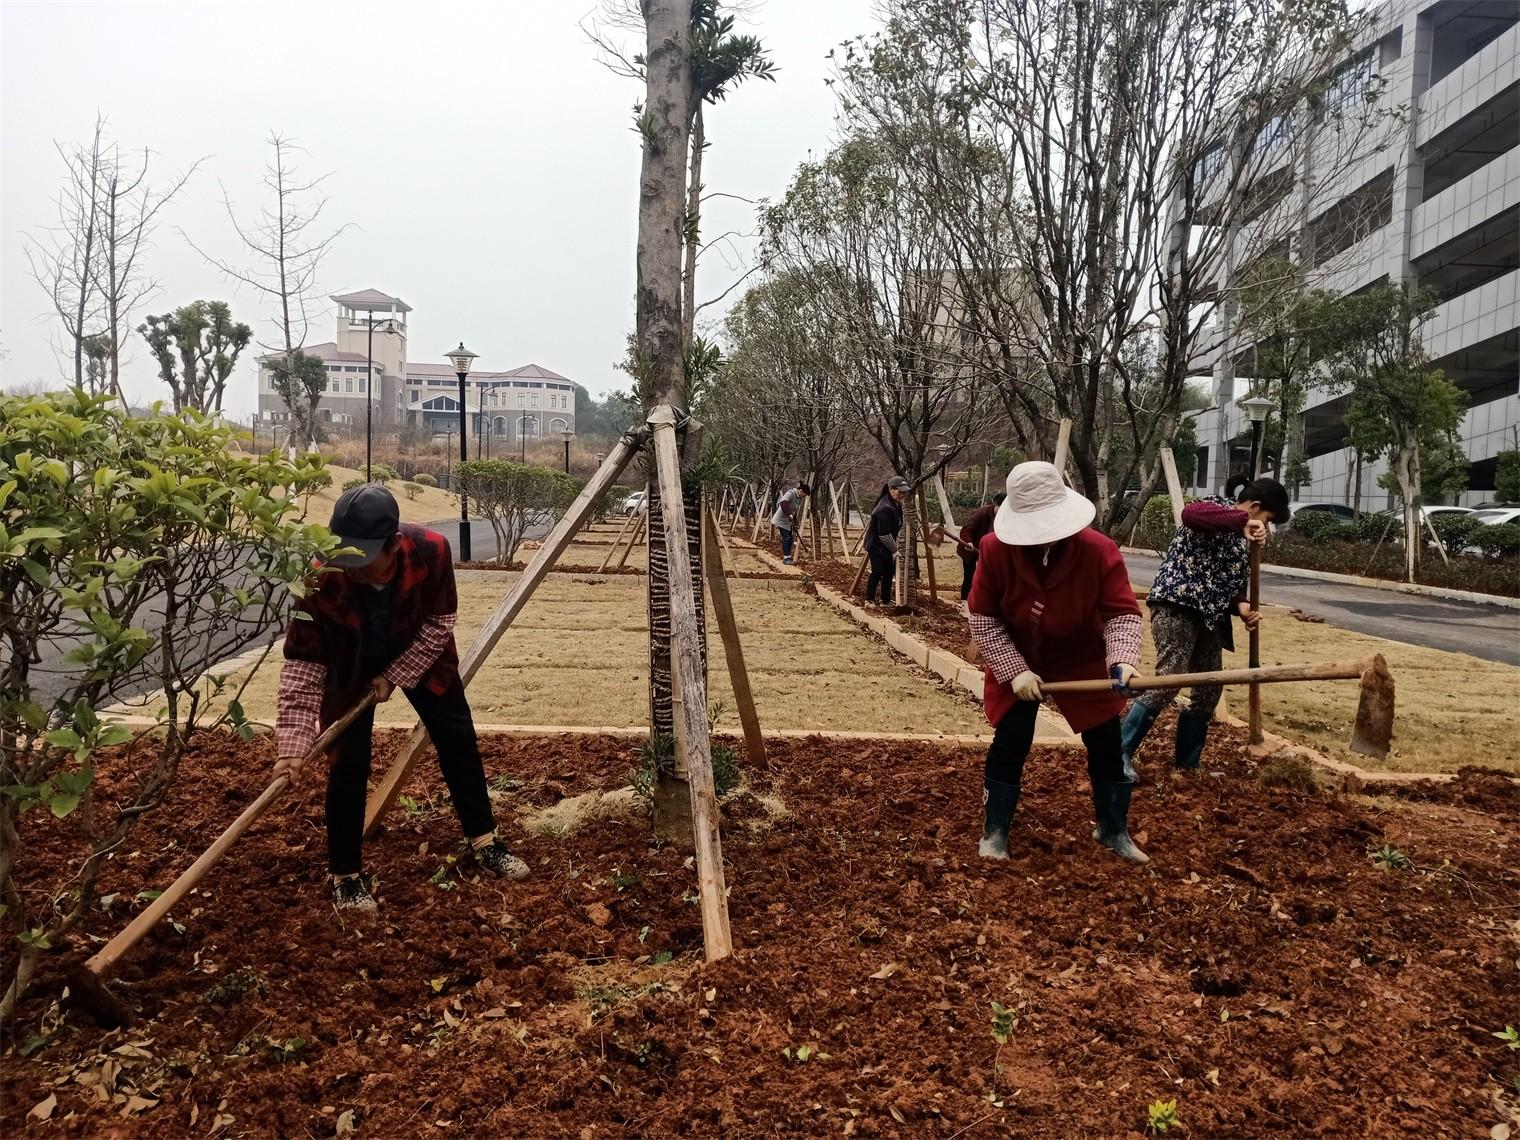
{"points": [[598, 914], [345, 1123], [43, 1109], [897, 1116], [887, 971], [140, 1104]]}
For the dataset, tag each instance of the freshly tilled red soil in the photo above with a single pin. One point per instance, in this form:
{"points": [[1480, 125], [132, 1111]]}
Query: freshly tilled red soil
{"points": [[1262, 970]]}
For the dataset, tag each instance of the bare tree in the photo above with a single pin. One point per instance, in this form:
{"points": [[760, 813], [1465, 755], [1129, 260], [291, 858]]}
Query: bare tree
{"points": [[64, 260], [284, 247]]}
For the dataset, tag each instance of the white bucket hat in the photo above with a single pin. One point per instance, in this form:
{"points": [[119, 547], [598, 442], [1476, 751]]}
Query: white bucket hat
{"points": [[1040, 507]]}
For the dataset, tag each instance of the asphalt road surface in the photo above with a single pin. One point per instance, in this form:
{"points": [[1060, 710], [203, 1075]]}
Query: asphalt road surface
{"points": [[1489, 632]]}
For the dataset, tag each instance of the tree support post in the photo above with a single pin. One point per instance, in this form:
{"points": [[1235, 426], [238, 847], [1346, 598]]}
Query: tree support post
{"points": [[714, 570], [383, 797], [1173, 484], [690, 691]]}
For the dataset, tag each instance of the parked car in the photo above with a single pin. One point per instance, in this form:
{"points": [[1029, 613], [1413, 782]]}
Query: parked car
{"points": [[1340, 510], [1493, 516], [1430, 512], [633, 504]]}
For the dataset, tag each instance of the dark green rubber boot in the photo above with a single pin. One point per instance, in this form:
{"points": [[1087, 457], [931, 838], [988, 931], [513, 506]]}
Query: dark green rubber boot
{"points": [[1111, 803], [998, 802]]}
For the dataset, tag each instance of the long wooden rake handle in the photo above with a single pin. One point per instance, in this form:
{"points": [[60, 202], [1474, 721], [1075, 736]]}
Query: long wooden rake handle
{"points": [[1267, 674], [177, 890]]}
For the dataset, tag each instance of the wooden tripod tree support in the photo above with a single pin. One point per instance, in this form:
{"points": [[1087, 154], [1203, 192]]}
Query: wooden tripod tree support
{"points": [[762, 506], [714, 570], [384, 797], [690, 691], [744, 497], [628, 521], [1253, 715], [923, 530], [944, 501], [1173, 484], [844, 540], [1063, 448], [640, 534]]}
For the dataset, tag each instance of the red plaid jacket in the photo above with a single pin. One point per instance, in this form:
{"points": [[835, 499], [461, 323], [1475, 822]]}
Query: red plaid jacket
{"points": [[321, 678]]}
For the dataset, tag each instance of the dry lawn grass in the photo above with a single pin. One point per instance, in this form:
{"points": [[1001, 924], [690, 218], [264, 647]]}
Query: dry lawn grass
{"points": [[576, 656], [429, 505], [1452, 709]]}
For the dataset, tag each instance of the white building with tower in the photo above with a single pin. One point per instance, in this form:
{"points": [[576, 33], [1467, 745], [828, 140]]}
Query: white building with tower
{"points": [[367, 368]]}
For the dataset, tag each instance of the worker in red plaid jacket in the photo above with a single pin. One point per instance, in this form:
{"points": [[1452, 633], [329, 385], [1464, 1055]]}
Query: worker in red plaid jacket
{"points": [[385, 622]]}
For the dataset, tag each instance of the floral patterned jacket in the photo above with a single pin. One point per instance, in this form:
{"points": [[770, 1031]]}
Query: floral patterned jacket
{"points": [[1207, 567]]}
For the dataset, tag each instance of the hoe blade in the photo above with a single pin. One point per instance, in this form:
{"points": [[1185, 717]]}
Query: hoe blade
{"points": [[1373, 731]]}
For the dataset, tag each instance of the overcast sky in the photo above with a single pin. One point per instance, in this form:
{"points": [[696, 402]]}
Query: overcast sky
{"points": [[480, 155]]}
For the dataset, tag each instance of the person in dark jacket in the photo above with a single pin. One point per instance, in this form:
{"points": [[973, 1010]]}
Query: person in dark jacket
{"points": [[978, 526], [1203, 580], [1051, 601], [881, 538], [385, 622]]}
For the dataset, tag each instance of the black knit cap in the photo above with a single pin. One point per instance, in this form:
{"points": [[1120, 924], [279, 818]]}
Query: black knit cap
{"points": [[366, 518]]}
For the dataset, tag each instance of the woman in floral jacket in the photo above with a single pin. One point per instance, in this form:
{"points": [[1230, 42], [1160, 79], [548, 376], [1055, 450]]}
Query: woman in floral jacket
{"points": [[1203, 580]]}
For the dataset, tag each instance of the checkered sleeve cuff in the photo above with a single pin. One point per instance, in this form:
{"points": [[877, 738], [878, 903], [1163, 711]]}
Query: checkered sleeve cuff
{"points": [[407, 671], [300, 706], [1121, 639], [997, 648]]}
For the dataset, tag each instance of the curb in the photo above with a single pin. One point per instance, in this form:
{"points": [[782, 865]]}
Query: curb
{"points": [[1339, 767], [1370, 583]]}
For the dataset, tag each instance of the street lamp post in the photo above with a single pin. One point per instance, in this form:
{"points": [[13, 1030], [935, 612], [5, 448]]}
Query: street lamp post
{"points": [[1256, 409], [462, 358], [522, 436], [567, 436], [369, 394]]}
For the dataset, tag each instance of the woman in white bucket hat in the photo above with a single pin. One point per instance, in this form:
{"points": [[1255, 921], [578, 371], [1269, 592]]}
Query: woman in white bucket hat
{"points": [[1051, 601]]}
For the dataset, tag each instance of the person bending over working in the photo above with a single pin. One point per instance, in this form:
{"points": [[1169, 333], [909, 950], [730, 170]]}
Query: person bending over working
{"points": [[788, 515], [1051, 601], [881, 538], [977, 527], [385, 621], [1204, 578]]}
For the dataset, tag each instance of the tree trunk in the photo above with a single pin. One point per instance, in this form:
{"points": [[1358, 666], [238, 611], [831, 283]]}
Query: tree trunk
{"points": [[907, 550], [692, 228], [1408, 473], [664, 128]]}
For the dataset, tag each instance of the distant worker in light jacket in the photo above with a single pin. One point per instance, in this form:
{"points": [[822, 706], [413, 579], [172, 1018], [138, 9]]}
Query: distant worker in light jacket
{"points": [[882, 533], [1051, 601], [1203, 581], [788, 515]]}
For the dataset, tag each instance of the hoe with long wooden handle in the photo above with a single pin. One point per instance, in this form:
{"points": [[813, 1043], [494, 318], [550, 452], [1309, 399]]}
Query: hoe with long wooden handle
{"points": [[1372, 733], [87, 982]]}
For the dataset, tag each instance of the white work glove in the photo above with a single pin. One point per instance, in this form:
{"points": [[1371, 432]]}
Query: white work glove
{"points": [[1123, 672], [1026, 686]]}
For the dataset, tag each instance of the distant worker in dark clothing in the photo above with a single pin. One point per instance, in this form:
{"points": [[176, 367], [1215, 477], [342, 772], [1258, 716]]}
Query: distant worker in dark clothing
{"points": [[788, 516], [978, 526], [881, 538]]}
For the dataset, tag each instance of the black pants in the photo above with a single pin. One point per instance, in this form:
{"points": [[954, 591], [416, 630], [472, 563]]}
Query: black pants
{"points": [[883, 570], [968, 571], [447, 719], [1015, 733]]}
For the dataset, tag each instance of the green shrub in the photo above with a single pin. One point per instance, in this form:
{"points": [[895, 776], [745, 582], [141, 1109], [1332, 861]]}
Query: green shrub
{"points": [[1507, 476], [412, 490], [382, 473], [1456, 531], [1156, 526], [1316, 526], [423, 479], [1372, 528], [1498, 540], [352, 483]]}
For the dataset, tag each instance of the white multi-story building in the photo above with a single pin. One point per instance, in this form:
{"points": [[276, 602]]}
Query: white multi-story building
{"points": [[1431, 194], [366, 361]]}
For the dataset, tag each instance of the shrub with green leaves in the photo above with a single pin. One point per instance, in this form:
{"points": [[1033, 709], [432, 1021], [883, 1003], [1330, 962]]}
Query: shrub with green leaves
{"points": [[1377, 528], [514, 496], [1156, 526], [1318, 526], [1455, 531], [1497, 540], [350, 484], [412, 490], [135, 554], [422, 478]]}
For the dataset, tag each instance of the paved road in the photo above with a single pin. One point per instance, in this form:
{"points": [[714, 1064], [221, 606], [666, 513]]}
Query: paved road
{"points": [[482, 538], [1489, 632]]}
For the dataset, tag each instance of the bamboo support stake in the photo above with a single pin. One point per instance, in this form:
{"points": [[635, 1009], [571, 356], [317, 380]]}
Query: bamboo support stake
{"points": [[640, 532], [944, 501], [761, 516], [714, 570], [844, 539], [860, 572], [690, 687], [628, 521], [1173, 484], [1063, 448], [744, 496], [381, 800]]}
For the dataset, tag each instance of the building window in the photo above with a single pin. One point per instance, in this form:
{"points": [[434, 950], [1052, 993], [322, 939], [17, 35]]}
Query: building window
{"points": [[1278, 130], [364, 384], [1348, 86], [1206, 167], [533, 400], [348, 384]]}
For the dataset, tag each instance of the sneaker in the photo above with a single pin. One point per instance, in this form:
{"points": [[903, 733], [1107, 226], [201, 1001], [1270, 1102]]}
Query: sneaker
{"points": [[786, 561], [353, 893], [495, 858]]}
